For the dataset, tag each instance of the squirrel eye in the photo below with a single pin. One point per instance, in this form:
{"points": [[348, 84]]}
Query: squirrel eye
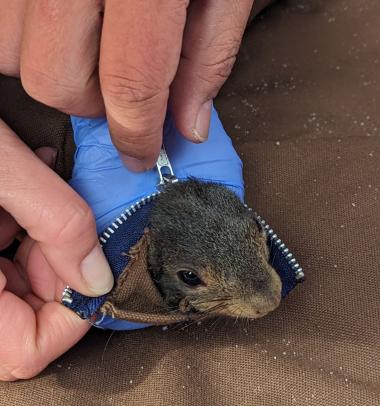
{"points": [[190, 278]]}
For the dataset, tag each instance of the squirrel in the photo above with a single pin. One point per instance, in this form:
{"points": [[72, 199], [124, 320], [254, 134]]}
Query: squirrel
{"points": [[208, 254]]}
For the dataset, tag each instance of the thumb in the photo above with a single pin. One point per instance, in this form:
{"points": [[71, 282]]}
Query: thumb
{"points": [[30, 341], [53, 215]]}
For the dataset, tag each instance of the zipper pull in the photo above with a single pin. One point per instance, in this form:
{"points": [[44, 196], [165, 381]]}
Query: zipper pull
{"points": [[165, 169]]}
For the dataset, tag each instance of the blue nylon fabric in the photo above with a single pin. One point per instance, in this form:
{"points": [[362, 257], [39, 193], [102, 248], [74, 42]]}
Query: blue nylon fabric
{"points": [[100, 177], [284, 270], [127, 235], [109, 323]]}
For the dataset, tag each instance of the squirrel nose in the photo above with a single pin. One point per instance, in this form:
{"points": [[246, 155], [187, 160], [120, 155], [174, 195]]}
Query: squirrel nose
{"points": [[276, 299], [269, 302]]}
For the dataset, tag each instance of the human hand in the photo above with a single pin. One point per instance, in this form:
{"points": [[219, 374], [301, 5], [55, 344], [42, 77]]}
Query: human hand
{"points": [[61, 248], [148, 52]]}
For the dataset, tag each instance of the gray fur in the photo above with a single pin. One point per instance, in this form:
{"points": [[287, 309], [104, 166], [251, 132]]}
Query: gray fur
{"points": [[204, 227]]}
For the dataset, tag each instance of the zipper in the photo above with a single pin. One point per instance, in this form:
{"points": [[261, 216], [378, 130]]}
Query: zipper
{"points": [[106, 235], [166, 174], [295, 266], [165, 169], [275, 240]]}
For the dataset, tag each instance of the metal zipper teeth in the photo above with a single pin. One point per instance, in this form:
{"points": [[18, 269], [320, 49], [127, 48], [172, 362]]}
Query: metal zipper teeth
{"points": [[127, 213], [111, 229], [106, 235], [280, 246]]}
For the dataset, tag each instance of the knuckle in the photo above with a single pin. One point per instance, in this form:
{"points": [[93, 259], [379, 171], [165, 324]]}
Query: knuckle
{"points": [[76, 221], [136, 112], [216, 67], [60, 93], [120, 89], [9, 63], [10, 36], [219, 69]]}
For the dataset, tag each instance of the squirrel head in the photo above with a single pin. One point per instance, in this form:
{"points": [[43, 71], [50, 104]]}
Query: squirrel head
{"points": [[209, 255]]}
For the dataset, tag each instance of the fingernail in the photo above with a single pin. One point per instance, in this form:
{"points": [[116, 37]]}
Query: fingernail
{"points": [[96, 272], [136, 165], [202, 122]]}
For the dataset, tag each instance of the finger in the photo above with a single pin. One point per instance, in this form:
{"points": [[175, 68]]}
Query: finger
{"points": [[59, 55], [47, 155], [41, 277], [140, 50], [17, 282], [211, 41], [8, 229], [53, 215], [30, 276], [30, 341], [8, 226], [11, 22], [3, 281]]}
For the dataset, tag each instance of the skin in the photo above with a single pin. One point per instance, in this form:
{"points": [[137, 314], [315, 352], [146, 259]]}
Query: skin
{"points": [[128, 60], [31, 285]]}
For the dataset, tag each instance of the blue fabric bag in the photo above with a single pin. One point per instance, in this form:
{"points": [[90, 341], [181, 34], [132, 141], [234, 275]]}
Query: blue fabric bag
{"points": [[121, 199]]}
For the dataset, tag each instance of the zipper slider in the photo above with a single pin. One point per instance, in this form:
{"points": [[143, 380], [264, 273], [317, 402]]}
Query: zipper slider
{"points": [[165, 169]]}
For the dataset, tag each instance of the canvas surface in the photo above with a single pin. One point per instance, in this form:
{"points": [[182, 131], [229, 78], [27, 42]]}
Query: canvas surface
{"points": [[302, 106]]}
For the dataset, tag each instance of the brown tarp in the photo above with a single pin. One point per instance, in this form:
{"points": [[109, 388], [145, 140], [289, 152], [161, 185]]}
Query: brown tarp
{"points": [[303, 108]]}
